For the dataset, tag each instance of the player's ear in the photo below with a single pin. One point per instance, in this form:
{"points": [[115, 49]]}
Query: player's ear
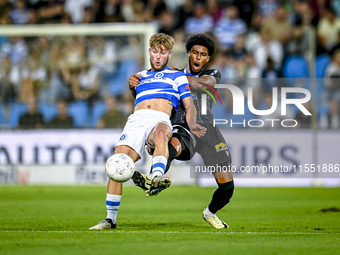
{"points": [[170, 54], [208, 58], [189, 53], [149, 51]]}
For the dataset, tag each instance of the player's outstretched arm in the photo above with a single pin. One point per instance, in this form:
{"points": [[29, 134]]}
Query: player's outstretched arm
{"points": [[196, 82], [190, 115], [133, 83]]}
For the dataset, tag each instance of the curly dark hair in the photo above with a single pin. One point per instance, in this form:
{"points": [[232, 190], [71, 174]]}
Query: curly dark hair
{"points": [[202, 40]]}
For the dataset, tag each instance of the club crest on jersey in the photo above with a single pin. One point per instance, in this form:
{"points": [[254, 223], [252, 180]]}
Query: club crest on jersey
{"points": [[123, 137], [159, 75]]}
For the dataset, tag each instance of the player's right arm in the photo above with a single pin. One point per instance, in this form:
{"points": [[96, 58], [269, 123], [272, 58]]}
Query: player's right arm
{"points": [[208, 77], [133, 83]]}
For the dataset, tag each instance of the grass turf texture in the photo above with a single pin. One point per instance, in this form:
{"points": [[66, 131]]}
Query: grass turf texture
{"points": [[55, 220]]}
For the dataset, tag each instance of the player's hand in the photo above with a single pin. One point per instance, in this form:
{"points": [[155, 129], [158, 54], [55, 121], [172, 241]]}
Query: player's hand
{"points": [[134, 81], [198, 130]]}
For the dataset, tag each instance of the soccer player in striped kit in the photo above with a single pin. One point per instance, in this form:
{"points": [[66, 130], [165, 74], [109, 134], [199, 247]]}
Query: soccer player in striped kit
{"points": [[158, 94]]}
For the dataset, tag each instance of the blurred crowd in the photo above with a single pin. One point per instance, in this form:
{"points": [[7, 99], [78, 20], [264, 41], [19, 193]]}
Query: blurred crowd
{"points": [[50, 81]]}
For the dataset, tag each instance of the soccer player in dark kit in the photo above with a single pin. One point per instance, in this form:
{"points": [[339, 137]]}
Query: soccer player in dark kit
{"points": [[212, 146]]}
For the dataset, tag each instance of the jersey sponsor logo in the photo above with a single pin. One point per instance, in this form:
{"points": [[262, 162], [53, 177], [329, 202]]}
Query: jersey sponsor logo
{"points": [[175, 130], [123, 137], [159, 75], [221, 147]]}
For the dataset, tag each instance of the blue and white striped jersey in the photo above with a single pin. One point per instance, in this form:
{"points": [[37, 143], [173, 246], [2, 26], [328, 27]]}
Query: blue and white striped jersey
{"points": [[169, 84]]}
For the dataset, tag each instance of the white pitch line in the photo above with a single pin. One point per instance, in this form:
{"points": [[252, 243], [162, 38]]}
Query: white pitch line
{"points": [[226, 232]]}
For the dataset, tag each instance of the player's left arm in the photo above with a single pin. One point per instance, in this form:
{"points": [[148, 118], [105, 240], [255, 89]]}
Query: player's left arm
{"points": [[189, 107], [190, 116]]}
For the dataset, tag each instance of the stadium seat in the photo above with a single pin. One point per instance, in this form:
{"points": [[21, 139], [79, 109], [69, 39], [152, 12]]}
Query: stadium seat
{"points": [[99, 108], [48, 111], [79, 112], [295, 67], [321, 63], [17, 110], [124, 71]]}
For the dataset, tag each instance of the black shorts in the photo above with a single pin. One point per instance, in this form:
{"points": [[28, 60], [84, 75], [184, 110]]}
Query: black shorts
{"points": [[213, 147], [188, 141]]}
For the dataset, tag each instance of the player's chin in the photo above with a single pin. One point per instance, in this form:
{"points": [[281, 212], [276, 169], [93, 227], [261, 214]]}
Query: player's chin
{"points": [[158, 67]]}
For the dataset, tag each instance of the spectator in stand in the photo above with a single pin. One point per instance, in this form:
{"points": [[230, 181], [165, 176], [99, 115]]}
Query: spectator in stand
{"points": [[214, 10], [34, 76], [298, 44], [167, 23], [270, 75], [229, 27], [303, 16], [15, 48], [278, 27], [34, 4], [328, 29], [8, 91], [268, 49], [319, 6], [331, 80], [71, 54], [153, 9], [252, 75], [112, 11], [335, 4], [183, 12], [19, 15], [113, 117], [246, 9], [62, 120], [238, 51], [50, 11], [84, 82], [133, 11], [5, 10], [76, 9], [32, 119], [253, 38], [179, 57], [200, 22], [336, 46], [88, 15], [267, 7], [102, 53]]}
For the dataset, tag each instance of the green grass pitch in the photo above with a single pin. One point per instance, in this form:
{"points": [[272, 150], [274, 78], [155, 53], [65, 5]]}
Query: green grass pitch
{"points": [[55, 220]]}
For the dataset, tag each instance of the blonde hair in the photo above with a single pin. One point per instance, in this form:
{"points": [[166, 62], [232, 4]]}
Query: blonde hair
{"points": [[162, 39]]}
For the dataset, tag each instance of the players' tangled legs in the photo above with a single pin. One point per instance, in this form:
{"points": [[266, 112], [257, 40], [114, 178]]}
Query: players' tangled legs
{"points": [[156, 101]]}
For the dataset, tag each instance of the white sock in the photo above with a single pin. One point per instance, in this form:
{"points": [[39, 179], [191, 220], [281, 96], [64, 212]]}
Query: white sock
{"points": [[112, 206], [208, 213], [158, 166]]}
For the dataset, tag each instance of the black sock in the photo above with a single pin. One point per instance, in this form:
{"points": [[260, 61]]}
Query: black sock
{"points": [[221, 196], [172, 156]]}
